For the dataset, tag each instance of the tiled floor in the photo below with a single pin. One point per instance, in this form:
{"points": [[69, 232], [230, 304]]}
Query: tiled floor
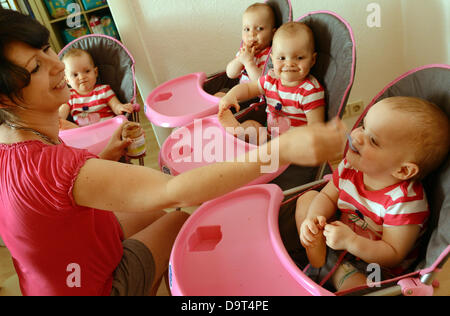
{"points": [[8, 278]]}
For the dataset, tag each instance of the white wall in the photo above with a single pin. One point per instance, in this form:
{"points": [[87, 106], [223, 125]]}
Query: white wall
{"points": [[170, 38]]}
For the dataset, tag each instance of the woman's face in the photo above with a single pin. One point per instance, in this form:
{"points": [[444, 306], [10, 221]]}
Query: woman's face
{"points": [[47, 89]]}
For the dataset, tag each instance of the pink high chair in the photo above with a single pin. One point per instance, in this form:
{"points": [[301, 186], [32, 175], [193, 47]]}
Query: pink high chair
{"points": [[246, 242], [180, 101], [231, 247], [116, 68], [201, 143]]}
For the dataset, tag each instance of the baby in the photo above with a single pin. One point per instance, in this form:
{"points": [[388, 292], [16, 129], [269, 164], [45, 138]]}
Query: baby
{"points": [[294, 97], [258, 28], [377, 189], [89, 102]]}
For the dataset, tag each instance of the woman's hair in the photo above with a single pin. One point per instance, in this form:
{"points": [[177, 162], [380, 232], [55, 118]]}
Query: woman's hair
{"points": [[16, 27]]}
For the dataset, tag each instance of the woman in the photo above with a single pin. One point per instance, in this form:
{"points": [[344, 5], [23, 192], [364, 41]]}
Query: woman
{"points": [[60, 207]]}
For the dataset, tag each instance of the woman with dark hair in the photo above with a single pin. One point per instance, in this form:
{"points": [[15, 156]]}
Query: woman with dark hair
{"points": [[78, 224]]}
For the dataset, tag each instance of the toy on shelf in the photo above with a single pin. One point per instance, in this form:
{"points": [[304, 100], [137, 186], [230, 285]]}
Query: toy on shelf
{"points": [[70, 34], [58, 8]]}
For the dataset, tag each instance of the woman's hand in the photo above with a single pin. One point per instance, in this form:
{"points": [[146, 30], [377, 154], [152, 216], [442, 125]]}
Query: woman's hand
{"points": [[116, 147], [313, 145]]}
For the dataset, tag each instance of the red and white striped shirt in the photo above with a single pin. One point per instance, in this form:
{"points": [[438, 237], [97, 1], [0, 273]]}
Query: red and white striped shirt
{"points": [[404, 203], [292, 102], [92, 107], [260, 61]]}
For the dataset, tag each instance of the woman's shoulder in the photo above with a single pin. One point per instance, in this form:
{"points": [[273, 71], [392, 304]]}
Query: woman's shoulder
{"points": [[34, 152]]}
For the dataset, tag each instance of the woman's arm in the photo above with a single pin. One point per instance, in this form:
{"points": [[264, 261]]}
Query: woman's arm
{"points": [[119, 187]]}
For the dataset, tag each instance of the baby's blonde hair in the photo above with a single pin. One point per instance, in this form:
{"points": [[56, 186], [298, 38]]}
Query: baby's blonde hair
{"points": [[267, 7], [76, 52], [430, 137], [295, 29]]}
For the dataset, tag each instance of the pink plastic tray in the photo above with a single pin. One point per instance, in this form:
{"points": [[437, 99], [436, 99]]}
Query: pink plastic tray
{"points": [[232, 246], [179, 101], [94, 137], [203, 142]]}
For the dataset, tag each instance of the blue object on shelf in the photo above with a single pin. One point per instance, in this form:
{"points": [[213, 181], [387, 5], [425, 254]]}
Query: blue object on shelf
{"points": [[70, 34], [58, 8], [92, 4]]}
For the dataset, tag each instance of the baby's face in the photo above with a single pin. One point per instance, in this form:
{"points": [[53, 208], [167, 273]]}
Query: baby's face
{"points": [[292, 58], [382, 143], [257, 29], [81, 74]]}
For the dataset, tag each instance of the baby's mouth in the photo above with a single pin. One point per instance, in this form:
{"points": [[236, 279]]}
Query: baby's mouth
{"points": [[289, 70]]}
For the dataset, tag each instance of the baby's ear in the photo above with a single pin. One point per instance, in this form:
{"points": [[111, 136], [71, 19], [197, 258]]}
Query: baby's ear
{"points": [[96, 71], [406, 171]]}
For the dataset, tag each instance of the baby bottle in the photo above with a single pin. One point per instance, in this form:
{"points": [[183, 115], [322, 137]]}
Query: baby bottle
{"points": [[135, 132]]}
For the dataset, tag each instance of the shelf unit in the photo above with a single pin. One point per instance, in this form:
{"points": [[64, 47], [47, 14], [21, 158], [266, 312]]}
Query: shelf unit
{"points": [[55, 26]]}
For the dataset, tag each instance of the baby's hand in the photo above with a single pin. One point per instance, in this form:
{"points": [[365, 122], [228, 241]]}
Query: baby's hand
{"points": [[246, 54], [310, 230], [120, 108], [338, 235], [226, 103]]}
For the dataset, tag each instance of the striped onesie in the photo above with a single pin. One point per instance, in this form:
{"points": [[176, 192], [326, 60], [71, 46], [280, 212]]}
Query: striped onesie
{"points": [[93, 107], [292, 102], [367, 212]]}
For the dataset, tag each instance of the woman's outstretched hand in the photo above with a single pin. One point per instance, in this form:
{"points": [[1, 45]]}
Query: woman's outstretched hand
{"points": [[117, 146]]}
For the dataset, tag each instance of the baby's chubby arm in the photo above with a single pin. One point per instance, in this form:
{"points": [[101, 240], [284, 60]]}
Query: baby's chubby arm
{"points": [[321, 209], [240, 92], [395, 245], [118, 108], [64, 111]]}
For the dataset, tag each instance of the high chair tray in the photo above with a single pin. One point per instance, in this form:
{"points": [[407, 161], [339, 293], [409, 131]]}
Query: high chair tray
{"points": [[232, 246], [93, 137], [204, 142], [180, 101]]}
